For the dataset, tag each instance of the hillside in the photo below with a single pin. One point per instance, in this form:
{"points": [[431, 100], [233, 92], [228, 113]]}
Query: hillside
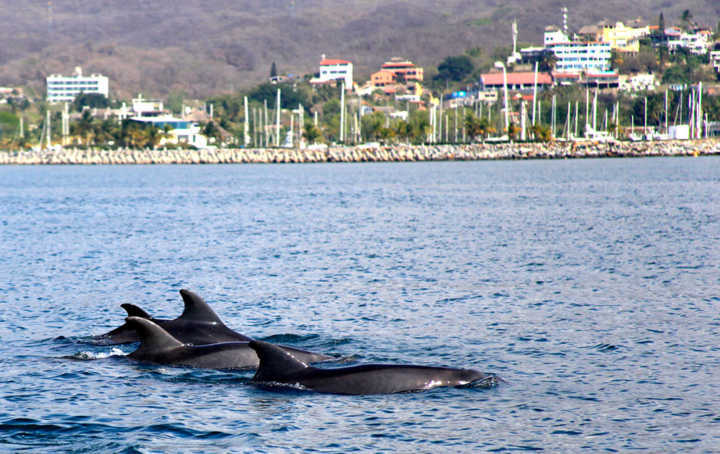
{"points": [[214, 46]]}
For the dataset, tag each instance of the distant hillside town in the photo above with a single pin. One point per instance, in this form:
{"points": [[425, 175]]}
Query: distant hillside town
{"points": [[618, 80]]}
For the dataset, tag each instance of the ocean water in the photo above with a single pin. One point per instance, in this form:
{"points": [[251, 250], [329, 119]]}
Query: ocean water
{"points": [[590, 286]]}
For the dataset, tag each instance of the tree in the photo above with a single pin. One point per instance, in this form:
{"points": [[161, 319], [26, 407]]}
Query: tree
{"points": [[687, 17], [273, 70], [541, 132], [455, 68], [548, 60], [475, 126], [91, 100], [513, 131], [312, 133], [175, 101], [84, 127]]}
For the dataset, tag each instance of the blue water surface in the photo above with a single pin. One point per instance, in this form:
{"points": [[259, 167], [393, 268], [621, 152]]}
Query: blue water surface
{"points": [[590, 286]]}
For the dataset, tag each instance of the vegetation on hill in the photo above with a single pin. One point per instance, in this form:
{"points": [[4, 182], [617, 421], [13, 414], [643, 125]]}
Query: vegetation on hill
{"points": [[220, 46]]}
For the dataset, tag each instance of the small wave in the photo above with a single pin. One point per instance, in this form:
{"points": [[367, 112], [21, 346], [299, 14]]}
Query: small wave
{"points": [[277, 386], [89, 356], [288, 337], [603, 347]]}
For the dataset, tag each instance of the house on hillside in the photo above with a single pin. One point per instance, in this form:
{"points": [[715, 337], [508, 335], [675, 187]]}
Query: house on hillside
{"points": [[333, 70], [396, 75], [637, 82], [715, 59], [697, 42], [623, 38]]}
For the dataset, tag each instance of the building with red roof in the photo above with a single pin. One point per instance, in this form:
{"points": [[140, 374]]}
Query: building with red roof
{"points": [[515, 80], [334, 69], [394, 74]]}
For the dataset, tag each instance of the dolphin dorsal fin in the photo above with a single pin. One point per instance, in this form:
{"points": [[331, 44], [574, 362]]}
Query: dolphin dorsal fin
{"points": [[152, 337], [196, 309], [134, 311], [275, 363]]}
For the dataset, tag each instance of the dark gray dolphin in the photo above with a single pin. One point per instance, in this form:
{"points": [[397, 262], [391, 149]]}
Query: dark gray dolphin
{"points": [[280, 367], [198, 324], [158, 346]]}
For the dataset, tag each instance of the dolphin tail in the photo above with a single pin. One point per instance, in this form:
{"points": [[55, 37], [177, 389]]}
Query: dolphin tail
{"points": [[196, 309], [275, 362], [134, 311], [152, 337]]}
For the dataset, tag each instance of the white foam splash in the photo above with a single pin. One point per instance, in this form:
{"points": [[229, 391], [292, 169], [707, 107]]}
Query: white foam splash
{"points": [[99, 355]]}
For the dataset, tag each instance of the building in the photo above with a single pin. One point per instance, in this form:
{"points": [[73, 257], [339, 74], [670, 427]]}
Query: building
{"points": [[715, 59], [577, 56], [530, 55], [334, 70], [396, 72], [697, 42], [179, 130], [565, 79], [637, 82], [143, 107], [623, 38], [66, 88], [602, 80], [520, 81]]}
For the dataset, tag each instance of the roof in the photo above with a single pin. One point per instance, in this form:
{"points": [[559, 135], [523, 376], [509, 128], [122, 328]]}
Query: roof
{"points": [[397, 64], [589, 30], [333, 61], [559, 75], [601, 75], [516, 78]]}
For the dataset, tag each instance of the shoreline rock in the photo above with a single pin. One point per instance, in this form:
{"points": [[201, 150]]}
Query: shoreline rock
{"points": [[389, 153]]}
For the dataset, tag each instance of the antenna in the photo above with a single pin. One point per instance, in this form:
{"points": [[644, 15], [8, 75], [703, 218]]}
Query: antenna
{"points": [[565, 16], [515, 34], [50, 17]]}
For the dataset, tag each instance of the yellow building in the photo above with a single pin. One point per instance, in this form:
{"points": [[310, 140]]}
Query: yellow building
{"points": [[624, 38]]}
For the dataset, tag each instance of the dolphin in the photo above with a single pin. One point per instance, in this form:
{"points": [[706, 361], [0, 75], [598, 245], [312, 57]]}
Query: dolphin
{"points": [[198, 324], [160, 347], [278, 366]]}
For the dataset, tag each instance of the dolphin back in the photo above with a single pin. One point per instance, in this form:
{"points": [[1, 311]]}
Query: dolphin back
{"points": [[153, 339], [276, 364], [134, 311], [197, 310]]}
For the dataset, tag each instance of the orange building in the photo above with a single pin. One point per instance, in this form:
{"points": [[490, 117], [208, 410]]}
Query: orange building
{"points": [[396, 71]]}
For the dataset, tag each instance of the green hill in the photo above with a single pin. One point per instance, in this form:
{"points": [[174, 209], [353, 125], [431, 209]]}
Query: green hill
{"points": [[215, 46]]}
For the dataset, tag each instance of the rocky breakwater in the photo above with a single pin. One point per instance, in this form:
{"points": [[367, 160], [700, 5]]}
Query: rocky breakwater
{"points": [[401, 153]]}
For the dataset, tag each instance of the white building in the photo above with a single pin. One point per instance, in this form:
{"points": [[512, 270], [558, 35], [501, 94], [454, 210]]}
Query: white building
{"points": [[697, 43], [577, 56], [334, 69], [66, 88], [637, 82], [715, 59], [145, 107], [179, 130]]}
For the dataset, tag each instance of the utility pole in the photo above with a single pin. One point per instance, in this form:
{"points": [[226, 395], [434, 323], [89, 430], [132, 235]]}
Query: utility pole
{"points": [[49, 128], [246, 126], [342, 112], [277, 120]]}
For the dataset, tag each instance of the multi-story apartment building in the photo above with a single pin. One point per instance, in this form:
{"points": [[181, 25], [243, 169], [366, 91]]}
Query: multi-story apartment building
{"points": [[66, 88], [577, 56]]}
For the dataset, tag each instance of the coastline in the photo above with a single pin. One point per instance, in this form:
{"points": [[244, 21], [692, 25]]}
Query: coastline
{"points": [[390, 153]]}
